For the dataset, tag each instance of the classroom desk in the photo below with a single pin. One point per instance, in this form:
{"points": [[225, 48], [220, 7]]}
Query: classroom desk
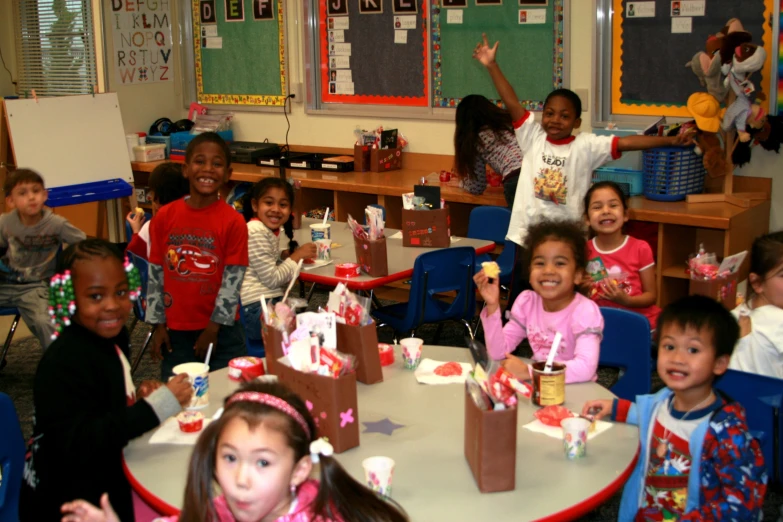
{"points": [[723, 228], [400, 258], [432, 480]]}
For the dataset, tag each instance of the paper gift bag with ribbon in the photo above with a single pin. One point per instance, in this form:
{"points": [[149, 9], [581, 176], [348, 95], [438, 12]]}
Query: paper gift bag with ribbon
{"points": [[273, 346], [722, 289], [372, 256], [491, 446], [362, 343], [426, 228], [332, 403]]}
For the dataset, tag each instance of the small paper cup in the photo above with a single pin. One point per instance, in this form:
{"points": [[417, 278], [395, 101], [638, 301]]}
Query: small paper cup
{"points": [[378, 474], [411, 352], [320, 231], [324, 248], [575, 437], [198, 377]]}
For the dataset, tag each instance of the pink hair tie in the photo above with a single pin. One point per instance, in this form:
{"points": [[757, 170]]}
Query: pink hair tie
{"points": [[275, 402]]}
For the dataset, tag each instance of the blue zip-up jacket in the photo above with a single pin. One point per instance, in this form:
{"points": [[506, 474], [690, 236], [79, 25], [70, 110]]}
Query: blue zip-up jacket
{"points": [[727, 480]]}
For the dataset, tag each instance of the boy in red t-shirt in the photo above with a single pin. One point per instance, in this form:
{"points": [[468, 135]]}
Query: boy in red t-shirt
{"points": [[198, 260]]}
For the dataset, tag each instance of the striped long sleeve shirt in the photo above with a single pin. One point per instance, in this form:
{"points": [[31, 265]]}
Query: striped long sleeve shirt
{"points": [[267, 274]]}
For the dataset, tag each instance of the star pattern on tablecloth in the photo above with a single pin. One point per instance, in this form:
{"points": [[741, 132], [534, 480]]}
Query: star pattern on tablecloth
{"points": [[385, 426]]}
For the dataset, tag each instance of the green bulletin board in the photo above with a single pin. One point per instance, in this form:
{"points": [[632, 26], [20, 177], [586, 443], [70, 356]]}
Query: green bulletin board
{"points": [[530, 54], [240, 59]]}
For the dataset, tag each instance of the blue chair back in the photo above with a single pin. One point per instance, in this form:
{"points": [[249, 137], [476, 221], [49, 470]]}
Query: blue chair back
{"points": [[140, 306], [761, 397], [626, 345], [437, 272], [491, 223], [254, 347], [383, 210], [12, 452]]}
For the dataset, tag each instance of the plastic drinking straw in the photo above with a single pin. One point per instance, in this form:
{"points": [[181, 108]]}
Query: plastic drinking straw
{"points": [[552, 351]]}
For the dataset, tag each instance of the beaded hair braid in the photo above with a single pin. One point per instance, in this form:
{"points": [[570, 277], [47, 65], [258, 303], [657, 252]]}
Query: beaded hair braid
{"points": [[62, 300]]}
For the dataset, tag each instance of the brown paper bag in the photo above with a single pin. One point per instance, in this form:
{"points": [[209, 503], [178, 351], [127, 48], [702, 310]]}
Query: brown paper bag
{"points": [[372, 256], [332, 402], [491, 446], [273, 346], [722, 289], [362, 343], [426, 228], [376, 160]]}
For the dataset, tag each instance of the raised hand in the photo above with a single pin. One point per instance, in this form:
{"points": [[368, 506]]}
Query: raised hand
{"points": [[484, 53]]}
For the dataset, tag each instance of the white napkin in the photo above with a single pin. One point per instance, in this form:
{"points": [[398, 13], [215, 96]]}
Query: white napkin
{"points": [[425, 373], [317, 264], [557, 433], [396, 235], [169, 433]]}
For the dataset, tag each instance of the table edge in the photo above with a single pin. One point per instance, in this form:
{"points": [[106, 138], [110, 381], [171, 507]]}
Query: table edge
{"points": [[589, 504], [150, 498]]}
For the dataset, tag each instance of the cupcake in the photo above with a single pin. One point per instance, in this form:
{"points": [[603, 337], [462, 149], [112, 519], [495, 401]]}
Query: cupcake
{"points": [[190, 421]]}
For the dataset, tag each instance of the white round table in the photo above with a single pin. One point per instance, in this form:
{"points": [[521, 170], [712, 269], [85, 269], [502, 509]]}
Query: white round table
{"points": [[432, 480]]}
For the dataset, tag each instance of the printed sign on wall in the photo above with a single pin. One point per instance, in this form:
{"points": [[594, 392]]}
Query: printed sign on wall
{"points": [[142, 41]]}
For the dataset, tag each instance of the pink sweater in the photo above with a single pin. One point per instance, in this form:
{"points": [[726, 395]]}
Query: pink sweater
{"points": [[580, 324], [301, 512]]}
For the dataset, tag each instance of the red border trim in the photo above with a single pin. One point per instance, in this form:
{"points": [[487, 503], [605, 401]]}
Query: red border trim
{"points": [[150, 498], [589, 504], [369, 99], [354, 284]]}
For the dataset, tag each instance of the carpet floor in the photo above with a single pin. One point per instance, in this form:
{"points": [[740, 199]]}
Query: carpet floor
{"points": [[17, 378]]}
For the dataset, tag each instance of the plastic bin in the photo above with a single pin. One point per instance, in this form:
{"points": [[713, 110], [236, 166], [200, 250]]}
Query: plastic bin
{"points": [[180, 140], [671, 173], [631, 181]]}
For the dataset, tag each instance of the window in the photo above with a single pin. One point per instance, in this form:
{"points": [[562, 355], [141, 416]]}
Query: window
{"points": [[55, 46]]}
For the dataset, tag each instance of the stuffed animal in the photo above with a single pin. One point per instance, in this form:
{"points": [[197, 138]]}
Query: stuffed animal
{"points": [[748, 58], [765, 130], [705, 110], [707, 67]]}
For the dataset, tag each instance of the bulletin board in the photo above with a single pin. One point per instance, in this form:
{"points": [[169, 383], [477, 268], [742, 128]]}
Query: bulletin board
{"points": [[779, 62], [649, 76], [370, 62], [239, 49], [530, 52]]}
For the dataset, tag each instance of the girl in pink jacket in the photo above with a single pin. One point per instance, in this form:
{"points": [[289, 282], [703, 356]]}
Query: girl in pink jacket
{"points": [[558, 257], [261, 452]]}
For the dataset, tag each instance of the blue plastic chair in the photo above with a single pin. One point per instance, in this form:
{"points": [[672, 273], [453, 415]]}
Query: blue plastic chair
{"points": [[761, 396], [10, 337], [12, 452], [140, 306], [383, 209], [436, 272], [626, 345], [255, 347], [491, 224]]}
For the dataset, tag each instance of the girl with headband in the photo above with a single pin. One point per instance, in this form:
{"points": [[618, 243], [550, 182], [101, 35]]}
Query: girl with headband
{"points": [[261, 452]]}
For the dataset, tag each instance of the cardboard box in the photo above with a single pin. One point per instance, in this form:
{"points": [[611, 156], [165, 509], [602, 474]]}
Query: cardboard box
{"points": [[722, 289], [426, 228], [334, 404], [273, 346], [491, 446], [372, 256], [376, 160], [362, 343]]}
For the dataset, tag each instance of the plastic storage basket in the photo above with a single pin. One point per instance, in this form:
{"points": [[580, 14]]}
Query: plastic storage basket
{"points": [[631, 181], [671, 173]]}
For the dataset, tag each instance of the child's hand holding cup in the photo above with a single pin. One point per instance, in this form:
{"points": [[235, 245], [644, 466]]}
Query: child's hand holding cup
{"points": [[180, 387]]}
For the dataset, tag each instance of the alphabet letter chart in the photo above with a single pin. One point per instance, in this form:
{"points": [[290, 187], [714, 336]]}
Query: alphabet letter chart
{"points": [[141, 33]]}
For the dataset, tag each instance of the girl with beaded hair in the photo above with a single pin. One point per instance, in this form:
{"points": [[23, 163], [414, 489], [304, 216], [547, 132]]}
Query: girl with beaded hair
{"points": [[261, 452], [86, 406]]}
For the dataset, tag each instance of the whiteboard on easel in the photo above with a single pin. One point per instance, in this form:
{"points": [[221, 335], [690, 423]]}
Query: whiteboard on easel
{"points": [[69, 140]]}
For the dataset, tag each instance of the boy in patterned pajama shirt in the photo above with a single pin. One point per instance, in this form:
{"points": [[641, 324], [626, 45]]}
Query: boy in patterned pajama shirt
{"points": [[698, 461], [198, 259]]}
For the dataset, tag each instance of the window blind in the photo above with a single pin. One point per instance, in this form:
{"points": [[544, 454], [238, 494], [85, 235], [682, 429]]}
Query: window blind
{"points": [[55, 46]]}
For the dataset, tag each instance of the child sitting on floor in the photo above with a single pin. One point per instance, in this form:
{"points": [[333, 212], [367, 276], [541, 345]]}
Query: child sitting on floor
{"points": [[698, 461], [557, 264]]}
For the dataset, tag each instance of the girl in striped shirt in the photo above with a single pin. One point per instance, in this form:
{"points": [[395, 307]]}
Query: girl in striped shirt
{"points": [[267, 209]]}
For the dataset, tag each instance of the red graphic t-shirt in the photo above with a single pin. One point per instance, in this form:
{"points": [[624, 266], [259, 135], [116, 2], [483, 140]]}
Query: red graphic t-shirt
{"points": [[624, 265], [193, 246]]}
